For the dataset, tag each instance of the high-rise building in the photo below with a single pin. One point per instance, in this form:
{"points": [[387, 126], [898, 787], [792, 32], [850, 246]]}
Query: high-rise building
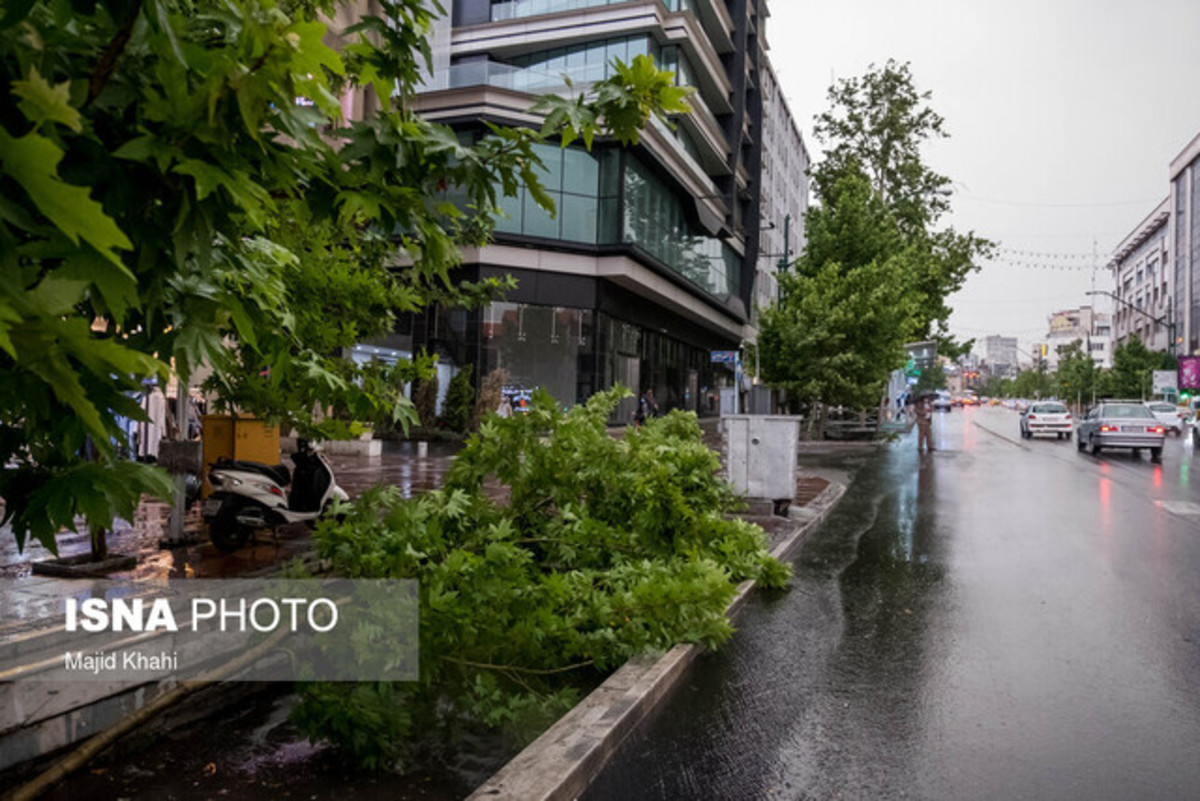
{"points": [[785, 163], [655, 257], [1145, 283]]}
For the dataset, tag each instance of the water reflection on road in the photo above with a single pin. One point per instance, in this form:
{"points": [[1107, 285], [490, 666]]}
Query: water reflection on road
{"points": [[1000, 619]]}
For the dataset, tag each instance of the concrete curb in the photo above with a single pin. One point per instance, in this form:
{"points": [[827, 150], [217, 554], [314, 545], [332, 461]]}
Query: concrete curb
{"points": [[561, 763]]}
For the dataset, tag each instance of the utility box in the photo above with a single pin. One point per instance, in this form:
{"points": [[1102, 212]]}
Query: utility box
{"points": [[228, 437], [761, 451], [728, 400]]}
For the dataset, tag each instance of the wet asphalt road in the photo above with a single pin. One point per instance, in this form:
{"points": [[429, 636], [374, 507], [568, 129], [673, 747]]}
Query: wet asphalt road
{"points": [[1002, 619]]}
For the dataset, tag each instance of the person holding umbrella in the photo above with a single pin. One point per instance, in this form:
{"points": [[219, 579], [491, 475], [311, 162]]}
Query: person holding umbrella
{"points": [[924, 413]]}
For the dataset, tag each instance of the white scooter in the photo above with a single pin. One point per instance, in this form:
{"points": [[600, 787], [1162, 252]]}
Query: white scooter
{"points": [[249, 496]]}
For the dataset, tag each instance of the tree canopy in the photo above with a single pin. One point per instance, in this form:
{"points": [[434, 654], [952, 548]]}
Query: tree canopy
{"points": [[178, 187], [873, 228], [877, 124]]}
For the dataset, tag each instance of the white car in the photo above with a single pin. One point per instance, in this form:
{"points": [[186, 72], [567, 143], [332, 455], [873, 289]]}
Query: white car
{"points": [[1047, 417], [1168, 414]]}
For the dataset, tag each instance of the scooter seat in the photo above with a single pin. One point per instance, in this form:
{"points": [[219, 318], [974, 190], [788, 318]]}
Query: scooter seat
{"points": [[276, 472]]}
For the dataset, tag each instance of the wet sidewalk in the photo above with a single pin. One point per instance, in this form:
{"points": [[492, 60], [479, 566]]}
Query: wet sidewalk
{"points": [[398, 466]]}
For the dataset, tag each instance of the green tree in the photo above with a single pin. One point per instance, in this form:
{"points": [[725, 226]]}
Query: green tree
{"points": [[165, 197], [877, 124], [1033, 384], [1133, 363], [931, 378], [603, 548], [837, 334], [1078, 376], [460, 401]]}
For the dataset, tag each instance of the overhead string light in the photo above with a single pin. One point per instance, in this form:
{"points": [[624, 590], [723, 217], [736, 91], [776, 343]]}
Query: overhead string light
{"points": [[1050, 260]]}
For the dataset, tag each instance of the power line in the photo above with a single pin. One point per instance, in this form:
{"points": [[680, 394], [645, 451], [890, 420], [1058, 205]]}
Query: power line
{"points": [[1033, 204]]}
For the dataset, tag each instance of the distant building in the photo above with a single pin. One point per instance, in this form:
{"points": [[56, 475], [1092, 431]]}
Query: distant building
{"points": [[1145, 283], [1001, 355], [1092, 329]]}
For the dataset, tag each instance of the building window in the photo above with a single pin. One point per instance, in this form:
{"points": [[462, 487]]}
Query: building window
{"points": [[572, 177], [542, 347], [657, 221]]}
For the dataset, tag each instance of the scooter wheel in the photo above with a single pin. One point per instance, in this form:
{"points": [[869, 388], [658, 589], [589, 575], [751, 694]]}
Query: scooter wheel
{"points": [[226, 532]]}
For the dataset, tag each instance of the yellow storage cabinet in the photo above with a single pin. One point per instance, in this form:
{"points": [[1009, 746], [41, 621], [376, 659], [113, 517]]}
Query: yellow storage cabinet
{"points": [[227, 436]]}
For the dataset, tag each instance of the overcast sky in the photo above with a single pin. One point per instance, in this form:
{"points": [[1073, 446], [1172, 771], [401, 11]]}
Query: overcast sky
{"points": [[1063, 118]]}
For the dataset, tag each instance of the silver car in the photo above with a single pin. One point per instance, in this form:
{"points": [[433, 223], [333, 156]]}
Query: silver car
{"points": [[1120, 424]]}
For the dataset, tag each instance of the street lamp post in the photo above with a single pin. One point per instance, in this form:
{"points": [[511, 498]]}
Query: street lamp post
{"points": [[1168, 321]]}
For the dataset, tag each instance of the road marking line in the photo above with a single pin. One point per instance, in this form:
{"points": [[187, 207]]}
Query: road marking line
{"points": [[1181, 508], [979, 425]]}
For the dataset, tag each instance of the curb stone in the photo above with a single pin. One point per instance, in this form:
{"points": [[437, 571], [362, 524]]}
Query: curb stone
{"points": [[562, 762]]}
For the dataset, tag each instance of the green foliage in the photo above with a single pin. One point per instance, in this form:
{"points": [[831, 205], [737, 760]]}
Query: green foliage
{"points": [[876, 126], [159, 178], [605, 548], [1033, 384], [460, 401], [1133, 363], [838, 333], [873, 231], [425, 400], [931, 378], [1078, 374]]}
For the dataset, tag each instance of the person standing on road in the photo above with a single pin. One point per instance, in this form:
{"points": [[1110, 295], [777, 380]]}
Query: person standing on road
{"points": [[924, 410]]}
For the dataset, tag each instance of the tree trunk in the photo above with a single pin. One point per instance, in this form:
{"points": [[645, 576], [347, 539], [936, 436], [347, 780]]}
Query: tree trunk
{"points": [[99, 544]]}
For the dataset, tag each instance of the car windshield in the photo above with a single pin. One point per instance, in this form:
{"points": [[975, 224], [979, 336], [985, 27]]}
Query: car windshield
{"points": [[1125, 410], [1161, 407], [1050, 408]]}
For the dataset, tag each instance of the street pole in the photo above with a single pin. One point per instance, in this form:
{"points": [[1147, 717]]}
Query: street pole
{"points": [[1171, 327], [782, 265], [737, 383]]}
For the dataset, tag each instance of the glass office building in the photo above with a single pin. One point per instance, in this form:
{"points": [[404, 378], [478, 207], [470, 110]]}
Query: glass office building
{"points": [[649, 262]]}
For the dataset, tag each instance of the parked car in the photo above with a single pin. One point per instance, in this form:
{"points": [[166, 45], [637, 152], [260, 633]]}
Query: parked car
{"points": [[1048, 417], [1168, 414], [1120, 424]]}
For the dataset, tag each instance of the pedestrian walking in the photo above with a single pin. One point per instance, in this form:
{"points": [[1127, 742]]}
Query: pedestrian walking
{"points": [[646, 407], [924, 412]]}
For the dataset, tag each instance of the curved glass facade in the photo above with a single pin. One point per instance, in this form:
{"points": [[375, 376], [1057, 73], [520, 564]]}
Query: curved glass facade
{"points": [[657, 219], [588, 188]]}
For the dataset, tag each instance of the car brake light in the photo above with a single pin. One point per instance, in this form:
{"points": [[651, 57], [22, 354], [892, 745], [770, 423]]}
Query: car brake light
{"points": [[1068, 415], [1108, 428], [1032, 416], [1156, 430], [276, 491]]}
